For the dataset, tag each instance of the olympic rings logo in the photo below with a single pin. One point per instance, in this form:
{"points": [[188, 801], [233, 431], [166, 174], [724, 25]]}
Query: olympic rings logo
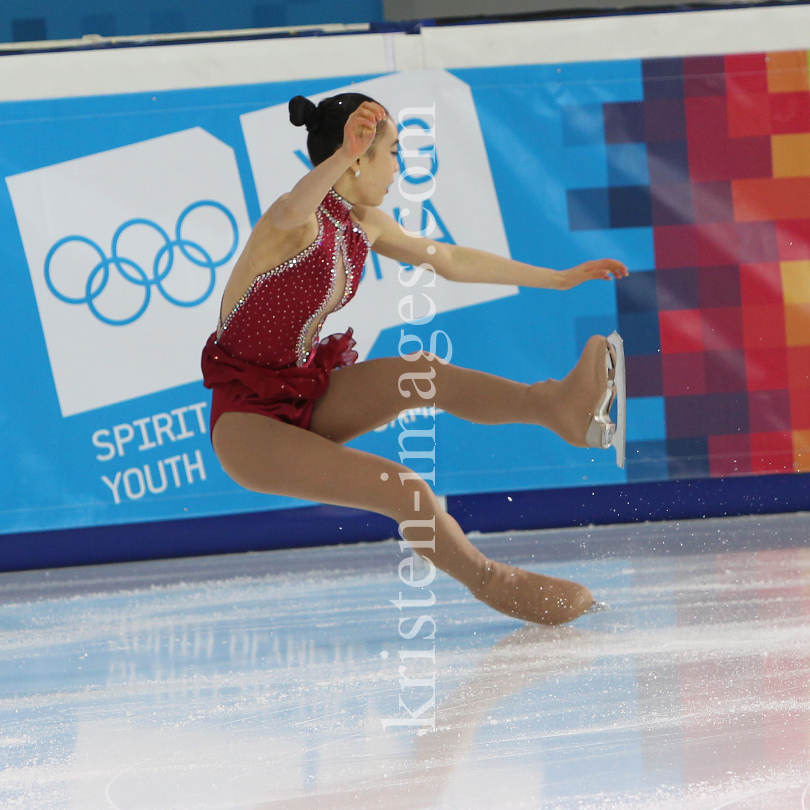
{"points": [[130, 271]]}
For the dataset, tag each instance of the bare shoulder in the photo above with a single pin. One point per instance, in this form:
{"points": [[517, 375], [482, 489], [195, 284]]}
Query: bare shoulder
{"points": [[267, 237], [373, 221], [266, 248]]}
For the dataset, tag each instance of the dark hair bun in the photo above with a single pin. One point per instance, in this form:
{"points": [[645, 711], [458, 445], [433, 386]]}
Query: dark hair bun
{"points": [[304, 113], [325, 123]]}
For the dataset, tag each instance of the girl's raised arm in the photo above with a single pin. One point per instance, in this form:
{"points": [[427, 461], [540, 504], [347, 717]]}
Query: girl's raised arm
{"points": [[293, 210]]}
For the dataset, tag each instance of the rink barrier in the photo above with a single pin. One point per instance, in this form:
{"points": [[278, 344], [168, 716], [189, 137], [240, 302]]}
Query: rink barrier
{"points": [[486, 512]]}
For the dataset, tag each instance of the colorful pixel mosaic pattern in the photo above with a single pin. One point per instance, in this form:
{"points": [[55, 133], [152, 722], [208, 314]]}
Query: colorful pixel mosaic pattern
{"points": [[720, 327]]}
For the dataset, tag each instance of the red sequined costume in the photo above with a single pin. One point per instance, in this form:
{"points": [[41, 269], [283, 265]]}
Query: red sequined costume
{"points": [[257, 361]]}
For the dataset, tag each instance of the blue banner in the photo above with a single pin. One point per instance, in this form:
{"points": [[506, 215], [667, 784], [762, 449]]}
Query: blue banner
{"points": [[122, 216]]}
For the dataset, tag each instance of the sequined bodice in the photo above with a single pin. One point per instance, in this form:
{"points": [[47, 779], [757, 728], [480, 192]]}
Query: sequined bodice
{"points": [[270, 323]]}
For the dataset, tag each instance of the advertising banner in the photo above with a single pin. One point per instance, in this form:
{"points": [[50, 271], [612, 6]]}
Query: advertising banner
{"points": [[123, 215]]}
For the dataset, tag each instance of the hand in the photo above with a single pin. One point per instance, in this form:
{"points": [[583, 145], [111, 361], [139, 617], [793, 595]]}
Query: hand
{"points": [[361, 128], [599, 268]]}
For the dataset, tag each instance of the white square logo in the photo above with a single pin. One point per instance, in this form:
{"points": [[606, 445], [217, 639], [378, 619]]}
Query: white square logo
{"points": [[129, 251]]}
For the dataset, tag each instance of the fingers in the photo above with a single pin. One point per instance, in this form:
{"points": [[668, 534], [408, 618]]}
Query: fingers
{"points": [[610, 268], [368, 115]]}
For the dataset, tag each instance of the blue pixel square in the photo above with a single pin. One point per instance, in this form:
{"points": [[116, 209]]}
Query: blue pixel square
{"points": [[582, 124], [689, 458], [668, 162], [637, 292], [588, 209], [663, 78], [624, 122], [677, 288], [647, 461], [646, 421], [627, 164], [640, 332], [586, 326], [630, 207]]}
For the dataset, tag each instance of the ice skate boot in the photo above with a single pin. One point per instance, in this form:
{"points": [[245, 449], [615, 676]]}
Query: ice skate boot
{"points": [[581, 409], [532, 597]]}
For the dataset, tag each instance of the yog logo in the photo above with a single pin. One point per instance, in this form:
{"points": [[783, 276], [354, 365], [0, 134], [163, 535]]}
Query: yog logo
{"points": [[134, 274], [129, 251]]}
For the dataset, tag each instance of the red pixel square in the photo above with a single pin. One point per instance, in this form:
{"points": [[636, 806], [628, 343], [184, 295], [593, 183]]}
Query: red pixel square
{"points": [[747, 72], [798, 364], [800, 408], [716, 243], [729, 455], [763, 326], [675, 246], [793, 238], [766, 369], [750, 157], [769, 411], [683, 374], [748, 113], [704, 76], [707, 135], [771, 452], [790, 112], [725, 371], [722, 328], [681, 331], [761, 283]]}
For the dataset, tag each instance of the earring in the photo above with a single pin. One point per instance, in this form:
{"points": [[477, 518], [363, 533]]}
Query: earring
{"points": [[357, 173]]}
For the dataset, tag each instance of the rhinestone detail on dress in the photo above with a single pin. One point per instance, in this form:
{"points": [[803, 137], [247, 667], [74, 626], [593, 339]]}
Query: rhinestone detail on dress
{"points": [[287, 265], [269, 326]]}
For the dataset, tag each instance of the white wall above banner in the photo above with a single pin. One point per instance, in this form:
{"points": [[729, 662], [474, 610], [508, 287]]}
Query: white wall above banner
{"points": [[129, 251], [445, 192], [88, 72]]}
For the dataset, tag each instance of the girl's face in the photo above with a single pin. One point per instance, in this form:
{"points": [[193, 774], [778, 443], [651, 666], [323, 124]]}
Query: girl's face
{"points": [[377, 168]]}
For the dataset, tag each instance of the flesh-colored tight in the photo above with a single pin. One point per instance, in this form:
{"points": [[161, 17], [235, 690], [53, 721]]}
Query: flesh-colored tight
{"points": [[265, 455]]}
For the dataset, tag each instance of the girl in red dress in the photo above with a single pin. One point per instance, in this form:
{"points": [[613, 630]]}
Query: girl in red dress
{"points": [[285, 403]]}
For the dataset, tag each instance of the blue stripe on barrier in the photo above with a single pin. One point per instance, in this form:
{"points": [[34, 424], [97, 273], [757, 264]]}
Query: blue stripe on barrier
{"points": [[329, 525]]}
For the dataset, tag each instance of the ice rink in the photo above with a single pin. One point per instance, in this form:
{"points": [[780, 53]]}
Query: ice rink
{"points": [[285, 679]]}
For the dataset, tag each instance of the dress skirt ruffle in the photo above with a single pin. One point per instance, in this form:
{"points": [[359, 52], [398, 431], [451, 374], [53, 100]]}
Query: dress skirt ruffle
{"points": [[287, 394]]}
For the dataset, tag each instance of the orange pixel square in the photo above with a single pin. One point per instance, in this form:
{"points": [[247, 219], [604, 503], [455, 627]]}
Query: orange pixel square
{"points": [[791, 155], [787, 72], [801, 450], [795, 282], [797, 324]]}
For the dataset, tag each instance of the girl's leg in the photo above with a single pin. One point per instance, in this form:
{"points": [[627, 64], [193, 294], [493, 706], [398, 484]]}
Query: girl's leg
{"points": [[265, 455], [371, 393]]}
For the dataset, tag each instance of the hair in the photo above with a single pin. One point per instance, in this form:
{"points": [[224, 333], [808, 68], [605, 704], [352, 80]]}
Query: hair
{"points": [[325, 122]]}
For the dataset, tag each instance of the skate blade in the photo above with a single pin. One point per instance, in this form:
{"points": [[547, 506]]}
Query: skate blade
{"points": [[597, 607], [619, 441]]}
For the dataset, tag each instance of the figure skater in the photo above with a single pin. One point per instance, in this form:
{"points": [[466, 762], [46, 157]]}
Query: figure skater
{"points": [[285, 403]]}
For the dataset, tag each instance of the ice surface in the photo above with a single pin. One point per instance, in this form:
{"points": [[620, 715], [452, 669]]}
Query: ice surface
{"points": [[266, 680]]}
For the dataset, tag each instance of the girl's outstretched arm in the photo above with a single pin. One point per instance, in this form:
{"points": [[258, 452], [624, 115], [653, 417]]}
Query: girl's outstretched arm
{"points": [[459, 263]]}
